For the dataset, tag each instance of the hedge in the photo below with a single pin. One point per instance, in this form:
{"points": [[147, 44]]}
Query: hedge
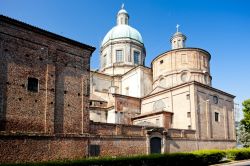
{"points": [[238, 154], [202, 157], [173, 159]]}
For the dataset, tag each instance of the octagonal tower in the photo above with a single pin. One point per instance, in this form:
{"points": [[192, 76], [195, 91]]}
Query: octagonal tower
{"points": [[122, 48]]}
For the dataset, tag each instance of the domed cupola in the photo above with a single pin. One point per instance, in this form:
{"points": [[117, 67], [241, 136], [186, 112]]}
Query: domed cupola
{"points": [[178, 39], [122, 47]]}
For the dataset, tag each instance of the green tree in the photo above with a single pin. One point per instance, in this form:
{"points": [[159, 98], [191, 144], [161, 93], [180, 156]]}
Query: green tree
{"points": [[243, 137], [243, 130], [245, 122]]}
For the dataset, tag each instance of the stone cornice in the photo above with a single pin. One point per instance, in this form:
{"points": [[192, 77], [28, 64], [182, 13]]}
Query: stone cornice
{"points": [[188, 84], [44, 32], [152, 114]]}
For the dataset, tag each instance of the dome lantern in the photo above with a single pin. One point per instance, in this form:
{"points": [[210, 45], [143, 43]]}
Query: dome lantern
{"points": [[178, 39], [122, 16]]}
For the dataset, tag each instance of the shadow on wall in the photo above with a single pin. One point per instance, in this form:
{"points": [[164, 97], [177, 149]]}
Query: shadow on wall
{"points": [[59, 100], [170, 142], [3, 87]]}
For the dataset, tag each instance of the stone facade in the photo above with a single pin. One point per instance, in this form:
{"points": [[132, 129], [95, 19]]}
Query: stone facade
{"points": [[176, 93]]}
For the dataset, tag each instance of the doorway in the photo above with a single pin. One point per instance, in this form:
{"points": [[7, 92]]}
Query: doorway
{"points": [[155, 145]]}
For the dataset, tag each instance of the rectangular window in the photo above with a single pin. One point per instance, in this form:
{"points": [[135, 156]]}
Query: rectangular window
{"points": [[216, 117], [205, 61], [104, 61], [136, 57], [188, 114], [32, 84], [188, 96], [119, 57], [94, 150]]}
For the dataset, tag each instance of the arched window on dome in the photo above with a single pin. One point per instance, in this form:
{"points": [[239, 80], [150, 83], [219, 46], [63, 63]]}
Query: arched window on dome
{"points": [[119, 56], [136, 57]]}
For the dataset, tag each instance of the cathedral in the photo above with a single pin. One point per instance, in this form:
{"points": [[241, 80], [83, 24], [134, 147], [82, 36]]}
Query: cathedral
{"points": [[175, 92], [53, 107]]}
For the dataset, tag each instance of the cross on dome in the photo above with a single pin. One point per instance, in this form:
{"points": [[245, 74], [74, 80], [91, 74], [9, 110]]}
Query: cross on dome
{"points": [[122, 7], [177, 27]]}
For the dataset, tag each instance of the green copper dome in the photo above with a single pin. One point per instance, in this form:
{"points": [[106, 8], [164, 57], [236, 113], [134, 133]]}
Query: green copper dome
{"points": [[122, 31]]}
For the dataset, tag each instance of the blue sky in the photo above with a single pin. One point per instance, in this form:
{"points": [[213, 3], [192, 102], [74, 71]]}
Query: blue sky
{"points": [[221, 27]]}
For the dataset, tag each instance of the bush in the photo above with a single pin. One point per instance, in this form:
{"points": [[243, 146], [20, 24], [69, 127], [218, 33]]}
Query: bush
{"points": [[238, 154], [206, 157], [202, 157], [173, 159]]}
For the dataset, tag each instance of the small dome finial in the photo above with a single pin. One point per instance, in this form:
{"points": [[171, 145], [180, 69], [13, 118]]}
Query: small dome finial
{"points": [[177, 27], [122, 7]]}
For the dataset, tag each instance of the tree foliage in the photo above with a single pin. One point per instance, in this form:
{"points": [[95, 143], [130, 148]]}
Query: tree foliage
{"points": [[243, 137], [245, 122], [243, 131]]}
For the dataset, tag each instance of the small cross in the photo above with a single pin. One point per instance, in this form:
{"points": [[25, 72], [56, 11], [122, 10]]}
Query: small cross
{"points": [[123, 6], [177, 27]]}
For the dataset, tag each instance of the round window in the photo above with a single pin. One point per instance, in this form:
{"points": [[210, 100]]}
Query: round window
{"points": [[184, 77]]}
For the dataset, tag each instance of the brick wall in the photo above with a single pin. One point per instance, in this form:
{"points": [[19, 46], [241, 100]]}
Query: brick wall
{"points": [[118, 140], [41, 148], [62, 69], [129, 106], [116, 129], [186, 145], [120, 146]]}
